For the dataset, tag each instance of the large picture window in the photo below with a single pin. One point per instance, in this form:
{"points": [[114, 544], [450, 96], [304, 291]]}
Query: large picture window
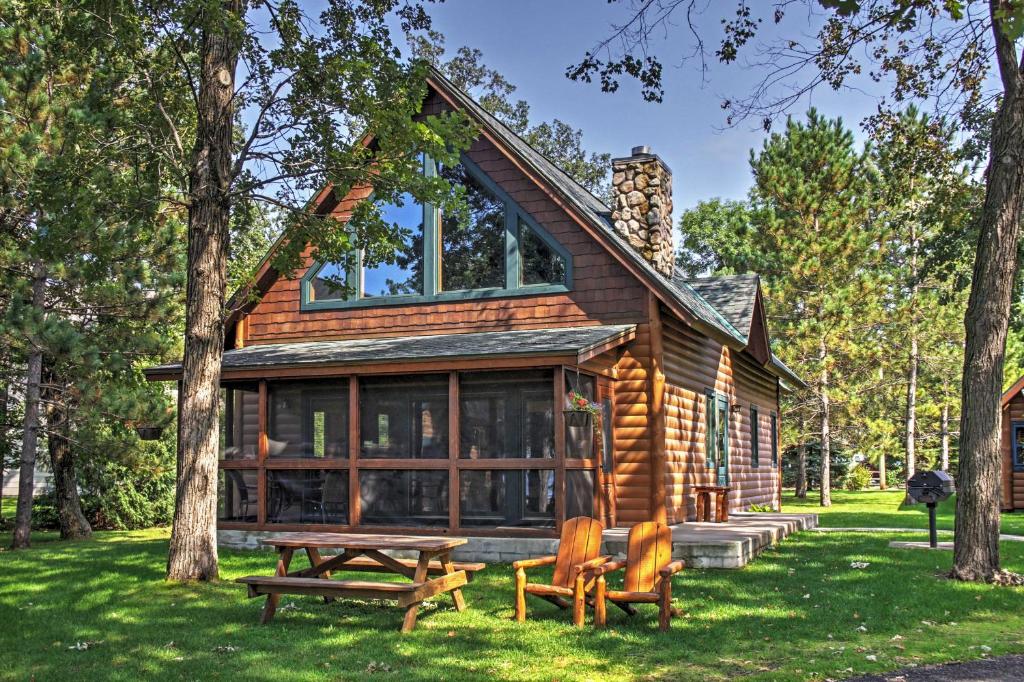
{"points": [[399, 273], [473, 249], [493, 249]]}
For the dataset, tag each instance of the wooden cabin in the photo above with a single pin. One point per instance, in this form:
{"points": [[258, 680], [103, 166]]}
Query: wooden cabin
{"points": [[431, 397], [1012, 405]]}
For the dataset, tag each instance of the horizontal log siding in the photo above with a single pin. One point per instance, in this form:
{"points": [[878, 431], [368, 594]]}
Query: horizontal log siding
{"points": [[603, 291], [694, 363], [632, 434], [1013, 481]]}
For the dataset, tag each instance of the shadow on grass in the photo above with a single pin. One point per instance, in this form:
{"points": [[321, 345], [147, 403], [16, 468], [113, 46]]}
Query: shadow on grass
{"points": [[769, 621]]}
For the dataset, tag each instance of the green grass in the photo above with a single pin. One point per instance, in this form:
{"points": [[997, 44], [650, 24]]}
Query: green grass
{"points": [[793, 614], [878, 509]]}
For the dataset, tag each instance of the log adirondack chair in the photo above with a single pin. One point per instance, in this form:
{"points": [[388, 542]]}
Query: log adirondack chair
{"points": [[648, 580], [578, 554]]}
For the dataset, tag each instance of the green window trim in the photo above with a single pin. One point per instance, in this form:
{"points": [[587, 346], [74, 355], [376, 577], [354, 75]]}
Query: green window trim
{"points": [[775, 440], [755, 444], [432, 293]]}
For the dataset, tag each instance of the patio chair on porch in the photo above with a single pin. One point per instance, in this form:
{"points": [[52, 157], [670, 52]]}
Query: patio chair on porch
{"points": [[648, 580], [578, 554]]}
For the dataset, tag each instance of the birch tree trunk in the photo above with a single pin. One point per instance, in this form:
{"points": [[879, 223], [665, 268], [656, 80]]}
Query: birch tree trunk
{"points": [[30, 434], [193, 548], [976, 538], [882, 473], [945, 437]]}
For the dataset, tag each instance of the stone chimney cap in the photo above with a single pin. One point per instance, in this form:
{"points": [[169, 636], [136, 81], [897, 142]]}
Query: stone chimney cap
{"points": [[642, 149]]}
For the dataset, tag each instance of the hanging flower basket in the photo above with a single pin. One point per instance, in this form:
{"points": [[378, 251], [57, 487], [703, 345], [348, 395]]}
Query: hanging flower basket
{"points": [[149, 432], [579, 426]]}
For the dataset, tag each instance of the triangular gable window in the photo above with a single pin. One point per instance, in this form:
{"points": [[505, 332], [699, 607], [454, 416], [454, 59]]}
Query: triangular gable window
{"points": [[495, 250]]}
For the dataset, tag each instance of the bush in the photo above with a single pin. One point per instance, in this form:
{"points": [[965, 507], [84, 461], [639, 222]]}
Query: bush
{"points": [[858, 478], [116, 497], [761, 508], [893, 479]]}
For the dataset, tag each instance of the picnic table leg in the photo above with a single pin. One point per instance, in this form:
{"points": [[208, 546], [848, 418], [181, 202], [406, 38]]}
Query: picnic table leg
{"points": [[282, 570], [449, 567], [313, 554], [412, 610]]}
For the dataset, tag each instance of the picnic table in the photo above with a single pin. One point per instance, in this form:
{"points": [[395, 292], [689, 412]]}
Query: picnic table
{"points": [[433, 572]]}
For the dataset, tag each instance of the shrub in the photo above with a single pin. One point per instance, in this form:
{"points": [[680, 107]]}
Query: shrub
{"points": [[893, 479], [761, 508], [858, 478]]}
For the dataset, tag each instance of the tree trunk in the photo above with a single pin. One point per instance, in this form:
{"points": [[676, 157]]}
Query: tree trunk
{"points": [[910, 447], [73, 524], [976, 537], [30, 434], [5, 394], [193, 548], [945, 437], [826, 428], [882, 473], [801, 471]]}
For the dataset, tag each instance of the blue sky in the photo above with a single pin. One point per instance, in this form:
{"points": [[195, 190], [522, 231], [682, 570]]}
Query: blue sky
{"points": [[532, 41]]}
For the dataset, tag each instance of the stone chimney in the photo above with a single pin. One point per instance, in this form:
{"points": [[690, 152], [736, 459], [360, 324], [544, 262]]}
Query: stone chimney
{"points": [[642, 208]]}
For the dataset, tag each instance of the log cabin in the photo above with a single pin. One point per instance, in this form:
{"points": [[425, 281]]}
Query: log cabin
{"points": [[1012, 450], [431, 395]]}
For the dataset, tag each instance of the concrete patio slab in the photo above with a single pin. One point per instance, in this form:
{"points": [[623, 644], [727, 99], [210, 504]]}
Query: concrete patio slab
{"points": [[724, 545], [702, 545]]}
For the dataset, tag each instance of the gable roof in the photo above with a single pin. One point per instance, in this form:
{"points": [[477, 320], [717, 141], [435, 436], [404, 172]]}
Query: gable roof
{"points": [[731, 295], [679, 295], [1012, 392]]}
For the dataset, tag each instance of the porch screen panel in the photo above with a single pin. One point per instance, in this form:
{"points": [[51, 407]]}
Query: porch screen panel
{"points": [[506, 415], [393, 497], [307, 496], [236, 495], [307, 420], [404, 417], [239, 422], [579, 493], [519, 498]]}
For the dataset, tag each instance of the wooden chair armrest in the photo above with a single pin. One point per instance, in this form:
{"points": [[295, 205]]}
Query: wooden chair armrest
{"points": [[590, 565], [533, 563], [672, 568], [605, 569]]}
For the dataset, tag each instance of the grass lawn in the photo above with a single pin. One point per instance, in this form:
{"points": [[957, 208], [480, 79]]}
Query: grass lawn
{"points": [[878, 509], [799, 612]]}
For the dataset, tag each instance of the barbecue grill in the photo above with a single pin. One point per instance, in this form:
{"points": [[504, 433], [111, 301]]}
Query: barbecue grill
{"points": [[930, 487]]}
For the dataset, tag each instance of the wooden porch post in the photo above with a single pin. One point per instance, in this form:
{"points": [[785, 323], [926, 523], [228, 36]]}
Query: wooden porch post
{"points": [[262, 452]]}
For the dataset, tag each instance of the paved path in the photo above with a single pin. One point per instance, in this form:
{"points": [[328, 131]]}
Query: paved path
{"points": [[995, 669], [865, 529]]}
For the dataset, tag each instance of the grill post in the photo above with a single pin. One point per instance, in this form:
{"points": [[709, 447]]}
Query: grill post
{"points": [[933, 536]]}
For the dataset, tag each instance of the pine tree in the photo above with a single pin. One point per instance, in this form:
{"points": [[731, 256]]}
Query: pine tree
{"points": [[814, 188]]}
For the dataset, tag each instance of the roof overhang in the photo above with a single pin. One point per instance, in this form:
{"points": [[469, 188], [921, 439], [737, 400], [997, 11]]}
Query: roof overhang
{"points": [[1014, 391], [488, 350]]}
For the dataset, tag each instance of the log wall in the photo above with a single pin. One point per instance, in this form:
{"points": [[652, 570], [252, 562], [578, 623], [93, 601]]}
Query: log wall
{"points": [[1013, 481], [694, 363]]}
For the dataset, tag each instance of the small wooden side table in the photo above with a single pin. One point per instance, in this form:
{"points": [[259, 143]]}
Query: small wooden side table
{"points": [[704, 496]]}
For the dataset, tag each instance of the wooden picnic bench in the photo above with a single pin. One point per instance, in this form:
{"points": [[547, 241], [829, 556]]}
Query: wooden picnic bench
{"points": [[361, 552]]}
